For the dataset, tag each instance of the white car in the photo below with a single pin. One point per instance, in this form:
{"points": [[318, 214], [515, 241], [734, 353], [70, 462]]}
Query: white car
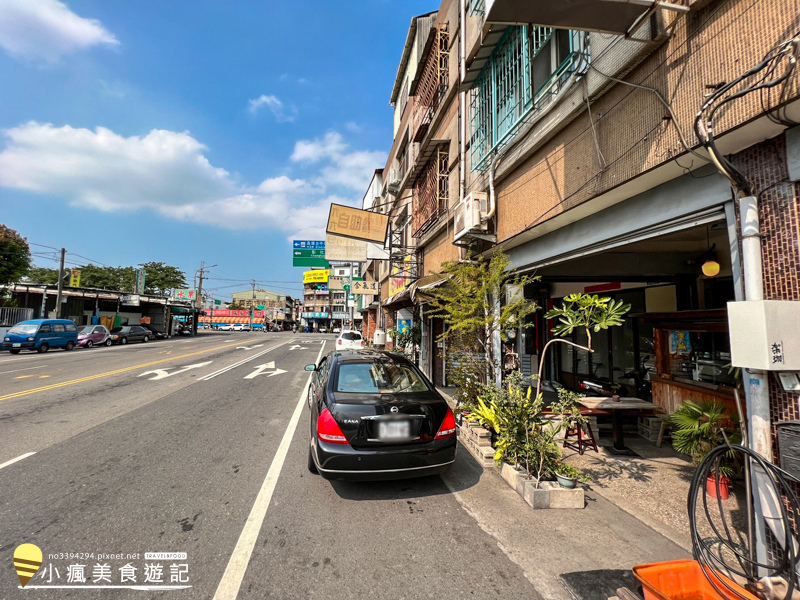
{"points": [[238, 327], [337, 330], [226, 327], [349, 340]]}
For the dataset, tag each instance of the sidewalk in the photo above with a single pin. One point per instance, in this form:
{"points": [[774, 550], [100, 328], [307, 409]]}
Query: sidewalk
{"points": [[567, 554]]}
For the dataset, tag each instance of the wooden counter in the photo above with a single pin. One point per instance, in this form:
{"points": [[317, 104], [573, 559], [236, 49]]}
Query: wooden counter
{"points": [[669, 394]]}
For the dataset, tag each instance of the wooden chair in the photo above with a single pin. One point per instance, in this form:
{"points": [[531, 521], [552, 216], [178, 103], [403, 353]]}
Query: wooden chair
{"points": [[584, 435]]}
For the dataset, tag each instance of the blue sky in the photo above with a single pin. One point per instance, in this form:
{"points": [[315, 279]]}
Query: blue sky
{"points": [[188, 131]]}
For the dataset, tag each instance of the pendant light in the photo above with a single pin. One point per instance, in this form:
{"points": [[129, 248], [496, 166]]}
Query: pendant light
{"points": [[710, 266]]}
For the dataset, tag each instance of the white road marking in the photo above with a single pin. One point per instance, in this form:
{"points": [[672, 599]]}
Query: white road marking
{"points": [[249, 348], [260, 369], [228, 587], [25, 369], [162, 373], [298, 348], [19, 458], [239, 364]]}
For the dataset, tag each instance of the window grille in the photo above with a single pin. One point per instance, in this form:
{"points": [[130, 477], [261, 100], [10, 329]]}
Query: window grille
{"points": [[430, 195], [433, 82], [477, 7], [525, 71]]}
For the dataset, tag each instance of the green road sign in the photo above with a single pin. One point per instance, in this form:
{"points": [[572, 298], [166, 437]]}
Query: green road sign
{"points": [[346, 287], [260, 307], [310, 262]]}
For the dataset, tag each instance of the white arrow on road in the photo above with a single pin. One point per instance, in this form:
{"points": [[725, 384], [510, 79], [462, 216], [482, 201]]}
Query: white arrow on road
{"points": [[248, 347], [297, 348], [162, 373], [260, 369]]}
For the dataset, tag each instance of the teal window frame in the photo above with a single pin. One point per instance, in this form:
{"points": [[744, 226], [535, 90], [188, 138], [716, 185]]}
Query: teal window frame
{"points": [[477, 7], [503, 95]]}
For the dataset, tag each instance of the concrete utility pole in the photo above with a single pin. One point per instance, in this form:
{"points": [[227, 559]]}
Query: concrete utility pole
{"points": [[198, 302], [252, 304], [60, 283]]}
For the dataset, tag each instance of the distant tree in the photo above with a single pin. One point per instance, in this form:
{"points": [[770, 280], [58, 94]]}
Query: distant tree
{"points": [[162, 279], [235, 306], [107, 278], [15, 256], [42, 275]]}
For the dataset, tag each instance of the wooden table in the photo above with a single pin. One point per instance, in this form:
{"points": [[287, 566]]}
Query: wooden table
{"points": [[617, 409]]}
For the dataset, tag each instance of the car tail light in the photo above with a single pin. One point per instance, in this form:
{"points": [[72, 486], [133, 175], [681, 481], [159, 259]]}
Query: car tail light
{"points": [[338, 342], [448, 428], [328, 429], [362, 343]]}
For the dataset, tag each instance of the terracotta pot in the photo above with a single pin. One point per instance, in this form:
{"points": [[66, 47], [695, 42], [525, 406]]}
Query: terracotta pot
{"points": [[724, 487]]}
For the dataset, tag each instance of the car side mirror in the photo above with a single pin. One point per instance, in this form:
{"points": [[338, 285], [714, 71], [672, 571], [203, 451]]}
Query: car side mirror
{"points": [[311, 367]]}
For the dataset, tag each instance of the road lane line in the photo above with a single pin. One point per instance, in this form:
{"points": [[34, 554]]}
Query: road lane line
{"points": [[211, 376], [25, 369], [231, 581], [19, 458], [108, 373]]}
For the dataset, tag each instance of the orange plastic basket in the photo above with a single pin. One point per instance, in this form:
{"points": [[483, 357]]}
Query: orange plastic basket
{"points": [[683, 580]]}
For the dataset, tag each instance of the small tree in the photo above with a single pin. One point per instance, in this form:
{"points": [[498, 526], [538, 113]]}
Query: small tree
{"points": [[15, 256], [476, 315]]}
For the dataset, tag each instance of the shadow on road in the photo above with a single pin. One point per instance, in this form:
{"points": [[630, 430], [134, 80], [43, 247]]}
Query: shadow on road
{"points": [[464, 474]]}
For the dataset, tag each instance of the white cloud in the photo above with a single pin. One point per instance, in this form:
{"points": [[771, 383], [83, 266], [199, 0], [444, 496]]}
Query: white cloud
{"points": [[168, 172], [282, 114], [104, 170], [352, 170], [47, 29]]}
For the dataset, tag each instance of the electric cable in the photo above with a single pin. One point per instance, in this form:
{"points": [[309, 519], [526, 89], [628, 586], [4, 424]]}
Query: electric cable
{"points": [[721, 555]]}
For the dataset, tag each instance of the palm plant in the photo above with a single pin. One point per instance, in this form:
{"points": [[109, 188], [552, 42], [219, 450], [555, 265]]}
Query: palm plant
{"points": [[698, 427]]}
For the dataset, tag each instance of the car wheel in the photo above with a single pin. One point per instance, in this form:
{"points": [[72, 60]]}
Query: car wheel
{"points": [[311, 466], [88, 344], [108, 342], [123, 341], [14, 351], [145, 339], [43, 348], [70, 345]]}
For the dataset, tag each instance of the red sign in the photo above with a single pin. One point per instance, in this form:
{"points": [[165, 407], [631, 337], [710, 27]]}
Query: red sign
{"points": [[224, 312], [603, 287]]}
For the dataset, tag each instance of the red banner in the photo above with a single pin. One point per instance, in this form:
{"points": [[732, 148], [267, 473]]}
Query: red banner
{"points": [[224, 312]]}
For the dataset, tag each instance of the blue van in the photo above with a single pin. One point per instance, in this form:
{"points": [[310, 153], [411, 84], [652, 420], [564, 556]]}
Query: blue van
{"points": [[41, 335]]}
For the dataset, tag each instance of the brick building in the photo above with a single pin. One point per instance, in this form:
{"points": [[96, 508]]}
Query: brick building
{"points": [[576, 152]]}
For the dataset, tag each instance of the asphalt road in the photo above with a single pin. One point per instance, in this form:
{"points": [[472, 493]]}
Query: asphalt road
{"points": [[198, 446]]}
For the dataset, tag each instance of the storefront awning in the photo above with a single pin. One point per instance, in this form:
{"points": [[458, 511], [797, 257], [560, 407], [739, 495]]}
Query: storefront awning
{"points": [[424, 284]]}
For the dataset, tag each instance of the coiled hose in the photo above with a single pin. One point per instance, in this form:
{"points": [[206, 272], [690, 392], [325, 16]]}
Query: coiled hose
{"points": [[723, 554]]}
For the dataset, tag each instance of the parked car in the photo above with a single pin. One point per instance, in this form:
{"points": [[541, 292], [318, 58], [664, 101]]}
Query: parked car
{"points": [[41, 335], [94, 335], [238, 327], [349, 340], [374, 415], [323, 330], [226, 327], [337, 330], [130, 333], [155, 334]]}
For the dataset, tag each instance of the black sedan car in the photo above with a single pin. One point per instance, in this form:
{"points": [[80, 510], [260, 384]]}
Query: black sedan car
{"points": [[375, 416], [130, 333], [155, 334]]}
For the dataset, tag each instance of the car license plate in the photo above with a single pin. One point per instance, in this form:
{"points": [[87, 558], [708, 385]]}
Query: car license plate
{"points": [[16, 345], [393, 430]]}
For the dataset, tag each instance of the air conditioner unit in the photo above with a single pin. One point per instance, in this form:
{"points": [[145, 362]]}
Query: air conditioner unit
{"points": [[394, 176], [468, 215]]}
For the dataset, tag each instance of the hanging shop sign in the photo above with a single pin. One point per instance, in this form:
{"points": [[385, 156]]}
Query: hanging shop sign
{"points": [[315, 315], [183, 294], [138, 282], [317, 276], [131, 300], [365, 288], [357, 224], [74, 278]]}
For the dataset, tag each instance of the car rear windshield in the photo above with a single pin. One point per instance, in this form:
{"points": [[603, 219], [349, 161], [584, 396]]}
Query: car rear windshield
{"points": [[382, 377], [87, 330], [24, 328], [349, 335]]}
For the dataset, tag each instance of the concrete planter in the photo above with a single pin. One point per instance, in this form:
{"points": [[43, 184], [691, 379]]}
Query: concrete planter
{"points": [[478, 441], [549, 493]]}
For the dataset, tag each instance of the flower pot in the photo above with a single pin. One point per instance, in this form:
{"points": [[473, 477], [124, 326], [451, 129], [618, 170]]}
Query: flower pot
{"points": [[565, 482], [724, 487]]}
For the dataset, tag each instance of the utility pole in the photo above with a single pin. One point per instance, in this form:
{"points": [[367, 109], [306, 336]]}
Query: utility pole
{"points": [[60, 283], [198, 300], [252, 305]]}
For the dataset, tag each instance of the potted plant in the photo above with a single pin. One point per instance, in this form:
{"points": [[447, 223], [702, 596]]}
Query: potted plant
{"points": [[568, 475], [697, 428]]}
